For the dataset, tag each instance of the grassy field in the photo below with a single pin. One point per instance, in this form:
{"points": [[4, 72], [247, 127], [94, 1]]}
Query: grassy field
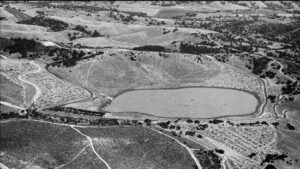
{"points": [[116, 71], [37, 144], [30, 92], [10, 91], [87, 159], [138, 147], [40, 144], [6, 109]]}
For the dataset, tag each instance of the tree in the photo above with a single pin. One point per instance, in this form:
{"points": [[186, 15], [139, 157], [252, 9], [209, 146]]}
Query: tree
{"points": [[148, 122]]}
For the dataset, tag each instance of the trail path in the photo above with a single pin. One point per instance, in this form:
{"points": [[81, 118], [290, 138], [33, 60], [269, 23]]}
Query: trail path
{"points": [[88, 73], [22, 78], [91, 143], [72, 159], [189, 150], [38, 90]]}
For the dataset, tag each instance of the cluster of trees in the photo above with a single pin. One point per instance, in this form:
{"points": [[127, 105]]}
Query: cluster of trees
{"points": [[23, 46], [11, 114], [268, 74], [76, 56], [257, 123], [260, 64], [208, 159], [271, 158], [54, 25], [31, 49], [195, 49], [84, 30], [151, 48], [291, 88], [76, 111]]}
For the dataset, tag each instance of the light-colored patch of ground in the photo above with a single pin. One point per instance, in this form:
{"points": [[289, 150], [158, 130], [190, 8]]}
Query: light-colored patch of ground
{"points": [[102, 42], [138, 7], [226, 6]]}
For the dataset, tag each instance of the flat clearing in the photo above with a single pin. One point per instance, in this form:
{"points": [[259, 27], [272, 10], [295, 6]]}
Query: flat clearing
{"points": [[186, 102], [138, 147]]}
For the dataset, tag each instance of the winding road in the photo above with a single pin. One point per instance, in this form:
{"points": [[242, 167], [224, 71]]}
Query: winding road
{"points": [[22, 78]]}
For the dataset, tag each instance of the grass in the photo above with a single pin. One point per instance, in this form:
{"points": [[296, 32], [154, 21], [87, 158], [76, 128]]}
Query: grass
{"points": [[42, 144], [30, 92], [6, 109], [172, 12], [87, 159], [10, 91], [18, 14], [114, 72], [138, 147]]}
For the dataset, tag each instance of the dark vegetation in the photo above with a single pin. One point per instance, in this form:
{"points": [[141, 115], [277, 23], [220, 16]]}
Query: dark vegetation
{"points": [[220, 151], [191, 133], [292, 88], [270, 166], [31, 49], [90, 33], [257, 123], [260, 64], [271, 158], [215, 121], [272, 98], [56, 118], [202, 126], [76, 111], [54, 25], [17, 13], [208, 159], [195, 49], [290, 127], [73, 61], [151, 48]]}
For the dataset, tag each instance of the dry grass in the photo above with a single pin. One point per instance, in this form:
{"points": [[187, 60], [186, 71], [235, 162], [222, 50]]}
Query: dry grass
{"points": [[10, 17], [40, 144], [10, 91], [12, 30], [138, 147]]}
